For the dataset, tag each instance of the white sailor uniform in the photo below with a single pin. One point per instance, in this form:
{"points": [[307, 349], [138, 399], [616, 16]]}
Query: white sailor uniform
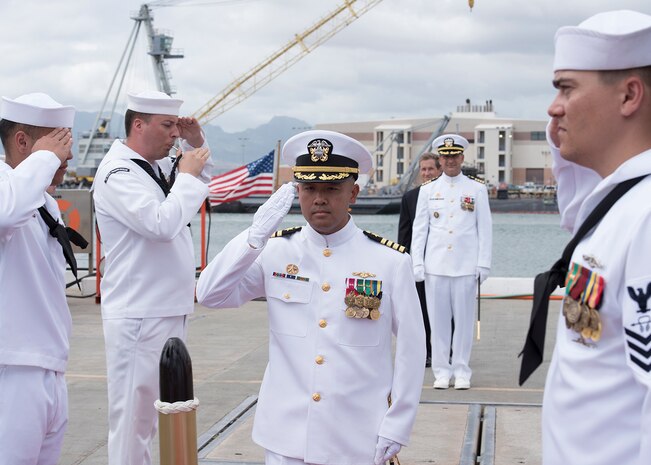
{"points": [[324, 394], [35, 321], [452, 236], [147, 287], [601, 389]]}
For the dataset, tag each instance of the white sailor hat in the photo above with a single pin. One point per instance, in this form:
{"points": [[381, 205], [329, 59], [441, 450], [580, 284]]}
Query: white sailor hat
{"points": [[154, 102], [37, 109], [450, 144], [326, 156], [606, 41]]}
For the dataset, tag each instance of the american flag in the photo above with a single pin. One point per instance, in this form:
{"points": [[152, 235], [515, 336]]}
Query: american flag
{"points": [[254, 178]]}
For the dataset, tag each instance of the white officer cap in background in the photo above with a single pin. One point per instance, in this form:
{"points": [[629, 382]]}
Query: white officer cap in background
{"points": [[37, 109], [326, 156], [606, 41], [450, 144], [154, 102]]}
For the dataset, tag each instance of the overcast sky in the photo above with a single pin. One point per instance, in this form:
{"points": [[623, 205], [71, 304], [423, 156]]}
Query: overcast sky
{"points": [[403, 58]]}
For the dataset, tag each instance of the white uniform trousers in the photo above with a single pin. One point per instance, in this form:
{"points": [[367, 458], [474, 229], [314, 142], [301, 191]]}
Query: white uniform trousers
{"points": [[451, 297], [271, 458], [133, 349], [33, 415]]}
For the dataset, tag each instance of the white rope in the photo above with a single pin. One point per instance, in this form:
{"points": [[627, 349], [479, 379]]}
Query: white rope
{"points": [[177, 407]]}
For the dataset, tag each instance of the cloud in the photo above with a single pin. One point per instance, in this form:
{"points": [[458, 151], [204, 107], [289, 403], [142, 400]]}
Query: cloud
{"points": [[402, 58]]}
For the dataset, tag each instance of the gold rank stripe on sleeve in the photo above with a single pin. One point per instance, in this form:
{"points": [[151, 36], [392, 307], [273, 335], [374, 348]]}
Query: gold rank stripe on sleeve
{"points": [[286, 232], [384, 241]]}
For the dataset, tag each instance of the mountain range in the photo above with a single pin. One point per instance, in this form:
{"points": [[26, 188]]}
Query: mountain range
{"points": [[229, 149]]}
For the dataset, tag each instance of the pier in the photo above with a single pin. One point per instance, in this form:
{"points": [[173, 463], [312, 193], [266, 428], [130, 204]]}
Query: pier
{"points": [[495, 422]]}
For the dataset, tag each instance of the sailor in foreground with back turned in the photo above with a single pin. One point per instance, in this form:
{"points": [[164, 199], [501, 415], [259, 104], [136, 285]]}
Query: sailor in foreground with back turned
{"points": [[35, 322], [335, 296], [451, 249]]}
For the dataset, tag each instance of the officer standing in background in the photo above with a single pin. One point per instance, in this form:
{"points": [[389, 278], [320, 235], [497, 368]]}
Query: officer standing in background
{"points": [[335, 296], [35, 321], [451, 249], [143, 209], [597, 402], [428, 168]]}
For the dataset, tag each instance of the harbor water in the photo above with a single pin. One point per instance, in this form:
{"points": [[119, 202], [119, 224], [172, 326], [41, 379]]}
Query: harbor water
{"points": [[523, 244]]}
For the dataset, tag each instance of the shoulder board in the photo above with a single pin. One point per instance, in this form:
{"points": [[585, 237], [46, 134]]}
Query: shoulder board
{"points": [[474, 178], [384, 241], [287, 232], [431, 180]]}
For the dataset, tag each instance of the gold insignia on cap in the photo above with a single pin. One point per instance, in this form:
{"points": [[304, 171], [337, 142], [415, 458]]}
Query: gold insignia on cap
{"points": [[319, 149], [363, 274], [291, 268], [448, 142]]}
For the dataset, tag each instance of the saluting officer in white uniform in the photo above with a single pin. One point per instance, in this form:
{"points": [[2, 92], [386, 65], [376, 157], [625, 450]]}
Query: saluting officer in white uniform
{"points": [[597, 403], [149, 278], [451, 249], [35, 322], [335, 296]]}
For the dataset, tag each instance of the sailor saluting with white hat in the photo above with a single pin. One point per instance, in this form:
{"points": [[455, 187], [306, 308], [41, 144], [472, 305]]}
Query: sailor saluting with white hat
{"points": [[143, 208], [35, 321], [335, 296], [597, 403]]}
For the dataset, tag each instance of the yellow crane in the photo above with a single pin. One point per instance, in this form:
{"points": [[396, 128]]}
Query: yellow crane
{"points": [[279, 61]]}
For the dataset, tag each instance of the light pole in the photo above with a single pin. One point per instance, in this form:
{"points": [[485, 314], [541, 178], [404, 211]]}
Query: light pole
{"points": [[243, 144]]}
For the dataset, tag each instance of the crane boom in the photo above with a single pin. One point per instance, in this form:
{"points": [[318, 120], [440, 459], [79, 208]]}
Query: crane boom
{"points": [[279, 61]]}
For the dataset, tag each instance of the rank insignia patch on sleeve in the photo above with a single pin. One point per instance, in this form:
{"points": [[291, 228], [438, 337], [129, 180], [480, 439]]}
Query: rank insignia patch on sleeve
{"points": [[637, 325]]}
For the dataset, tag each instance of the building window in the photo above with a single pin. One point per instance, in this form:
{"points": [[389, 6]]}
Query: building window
{"points": [[502, 161], [500, 176], [400, 168], [400, 137], [480, 152], [380, 160], [378, 175], [380, 140], [502, 139], [400, 153], [480, 168], [409, 137], [481, 137], [538, 135]]}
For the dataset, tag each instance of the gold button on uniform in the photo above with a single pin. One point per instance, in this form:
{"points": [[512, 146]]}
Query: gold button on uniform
{"points": [[286, 296], [450, 231], [316, 397], [325, 287], [327, 252], [319, 360], [323, 323], [450, 247]]}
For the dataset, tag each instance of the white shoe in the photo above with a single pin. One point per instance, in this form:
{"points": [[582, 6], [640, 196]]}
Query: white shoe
{"points": [[442, 383], [461, 383]]}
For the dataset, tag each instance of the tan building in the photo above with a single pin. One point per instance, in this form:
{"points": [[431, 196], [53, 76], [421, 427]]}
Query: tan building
{"points": [[502, 150]]}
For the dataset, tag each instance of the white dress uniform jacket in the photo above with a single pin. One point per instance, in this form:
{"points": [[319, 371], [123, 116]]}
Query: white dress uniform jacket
{"points": [[150, 265], [324, 394], [452, 232], [597, 402], [35, 321]]}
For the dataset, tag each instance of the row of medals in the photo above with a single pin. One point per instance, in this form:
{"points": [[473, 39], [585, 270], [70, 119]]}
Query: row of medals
{"points": [[362, 306], [467, 206], [582, 319]]}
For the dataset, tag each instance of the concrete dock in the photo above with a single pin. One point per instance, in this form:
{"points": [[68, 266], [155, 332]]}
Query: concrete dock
{"points": [[495, 422]]}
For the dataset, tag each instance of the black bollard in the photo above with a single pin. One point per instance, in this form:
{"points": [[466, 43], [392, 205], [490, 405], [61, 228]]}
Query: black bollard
{"points": [[177, 418]]}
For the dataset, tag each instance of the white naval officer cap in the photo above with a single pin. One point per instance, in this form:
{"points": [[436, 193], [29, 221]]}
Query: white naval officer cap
{"points": [[326, 156], [37, 109], [154, 102], [450, 144], [606, 41]]}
